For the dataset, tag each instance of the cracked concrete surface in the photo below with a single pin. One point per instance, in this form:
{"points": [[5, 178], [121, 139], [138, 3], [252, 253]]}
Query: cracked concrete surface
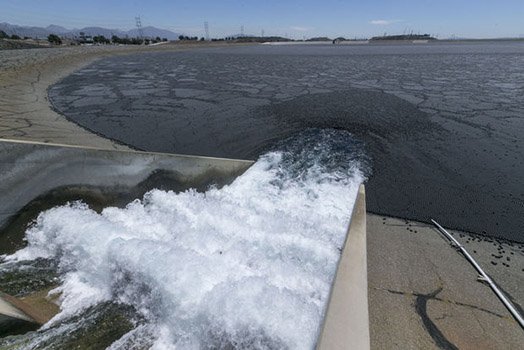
{"points": [[424, 295]]}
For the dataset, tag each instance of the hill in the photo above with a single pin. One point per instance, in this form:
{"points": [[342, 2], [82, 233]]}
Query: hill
{"points": [[42, 33]]}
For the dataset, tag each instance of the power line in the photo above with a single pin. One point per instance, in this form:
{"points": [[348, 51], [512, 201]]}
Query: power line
{"points": [[138, 22], [206, 29]]}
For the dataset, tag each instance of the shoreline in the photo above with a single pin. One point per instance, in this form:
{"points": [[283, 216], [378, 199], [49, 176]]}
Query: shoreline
{"points": [[25, 110], [26, 75]]}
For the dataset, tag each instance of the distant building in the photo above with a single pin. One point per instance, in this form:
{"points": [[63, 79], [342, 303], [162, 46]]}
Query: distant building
{"points": [[85, 39]]}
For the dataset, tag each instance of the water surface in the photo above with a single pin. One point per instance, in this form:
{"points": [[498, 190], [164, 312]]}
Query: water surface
{"points": [[442, 122]]}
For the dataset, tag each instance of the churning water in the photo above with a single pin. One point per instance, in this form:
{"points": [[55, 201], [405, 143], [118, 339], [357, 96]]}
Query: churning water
{"points": [[248, 265]]}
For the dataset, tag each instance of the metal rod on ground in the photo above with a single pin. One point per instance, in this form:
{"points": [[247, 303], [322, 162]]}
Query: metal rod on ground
{"points": [[484, 277]]}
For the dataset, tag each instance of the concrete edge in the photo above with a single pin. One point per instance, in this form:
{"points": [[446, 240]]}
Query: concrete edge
{"points": [[9, 310], [16, 316], [30, 142], [30, 312], [346, 322]]}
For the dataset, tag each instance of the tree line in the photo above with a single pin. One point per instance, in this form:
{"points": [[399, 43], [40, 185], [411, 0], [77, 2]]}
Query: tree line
{"points": [[128, 41], [101, 39], [4, 35]]}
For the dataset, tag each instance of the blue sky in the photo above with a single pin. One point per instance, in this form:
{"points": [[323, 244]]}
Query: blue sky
{"points": [[463, 18]]}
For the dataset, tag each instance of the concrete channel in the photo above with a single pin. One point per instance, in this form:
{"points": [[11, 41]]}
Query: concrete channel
{"points": [[35, 176]]}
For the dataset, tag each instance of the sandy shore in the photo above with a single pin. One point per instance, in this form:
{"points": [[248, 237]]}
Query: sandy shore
{"points": [[25, 75]]}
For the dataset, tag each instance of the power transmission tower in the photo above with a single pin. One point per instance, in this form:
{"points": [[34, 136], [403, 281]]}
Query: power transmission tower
{"points": [[206, 28], [241, 31], [138, 22], [262, 33]]}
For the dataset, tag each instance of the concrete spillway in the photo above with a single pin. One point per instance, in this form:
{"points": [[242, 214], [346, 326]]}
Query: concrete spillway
{"points": [[39, 176], [32, 171], [35, 176]]}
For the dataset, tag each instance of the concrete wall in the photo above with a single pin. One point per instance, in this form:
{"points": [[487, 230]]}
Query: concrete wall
{"points": [[346, 323]]}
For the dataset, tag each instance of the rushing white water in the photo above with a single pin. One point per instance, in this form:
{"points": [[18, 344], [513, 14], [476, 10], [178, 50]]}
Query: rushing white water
{"points": [[249, 265]]}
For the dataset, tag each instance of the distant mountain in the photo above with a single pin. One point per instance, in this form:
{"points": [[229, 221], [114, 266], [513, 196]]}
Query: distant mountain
{"points": [[56, 29], [154, 32], [33, 32], [40, 32]]}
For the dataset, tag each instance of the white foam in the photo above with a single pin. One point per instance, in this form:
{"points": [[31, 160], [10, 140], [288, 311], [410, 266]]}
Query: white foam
{"points": [[250, 264]]}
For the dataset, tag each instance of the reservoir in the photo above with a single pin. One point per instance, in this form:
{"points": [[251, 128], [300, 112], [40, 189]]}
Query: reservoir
{"points": [[442, 122]]}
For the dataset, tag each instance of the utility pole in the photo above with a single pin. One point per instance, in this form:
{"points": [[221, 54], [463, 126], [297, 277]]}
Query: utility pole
{"points": [[138, 22], [206, 29]]}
